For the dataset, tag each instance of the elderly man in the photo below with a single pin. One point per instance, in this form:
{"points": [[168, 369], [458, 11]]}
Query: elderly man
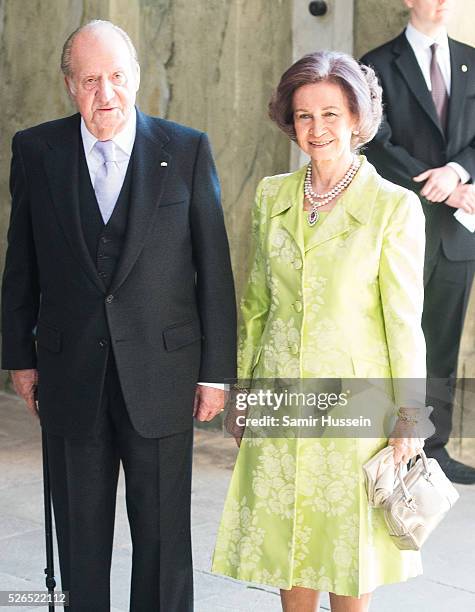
{"points": [[119, 310], [427, 144]]}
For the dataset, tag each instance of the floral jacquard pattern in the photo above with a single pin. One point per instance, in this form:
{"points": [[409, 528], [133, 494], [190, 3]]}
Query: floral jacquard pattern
{"points": [[278, 355], [241, 537], [314, 295], [345, 554], [326, 480], [340, 300], [313, 579], [282, 247], [273, 480]]}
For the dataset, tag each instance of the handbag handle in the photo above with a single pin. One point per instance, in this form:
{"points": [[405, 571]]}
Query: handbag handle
{"points": [[423, 456], [408, 499]]}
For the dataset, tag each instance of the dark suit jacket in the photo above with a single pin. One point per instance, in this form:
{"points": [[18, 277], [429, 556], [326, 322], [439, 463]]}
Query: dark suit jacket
{"points": [[169, 313], [411, 140]]}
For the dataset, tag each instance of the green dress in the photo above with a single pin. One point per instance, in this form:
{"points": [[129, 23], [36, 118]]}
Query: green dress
{"points": [[296, 513]]}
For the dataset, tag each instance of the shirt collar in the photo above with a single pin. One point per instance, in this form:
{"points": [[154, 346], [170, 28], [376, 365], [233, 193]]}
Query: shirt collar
{"points": [[124, 139], [422, 42]]}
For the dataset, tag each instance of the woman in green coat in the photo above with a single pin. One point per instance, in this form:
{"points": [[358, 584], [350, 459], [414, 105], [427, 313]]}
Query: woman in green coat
{"points": [[335, 291]]}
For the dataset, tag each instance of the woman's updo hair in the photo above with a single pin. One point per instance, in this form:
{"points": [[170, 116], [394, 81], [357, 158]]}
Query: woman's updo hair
{"points": [[358, 82]]}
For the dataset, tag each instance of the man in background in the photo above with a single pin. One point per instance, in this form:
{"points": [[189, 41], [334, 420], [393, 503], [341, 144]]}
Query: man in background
{"points": [[427, 143], [119, 310]]}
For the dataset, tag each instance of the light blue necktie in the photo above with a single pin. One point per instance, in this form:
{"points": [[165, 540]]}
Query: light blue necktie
{"points": [[108, 181]]}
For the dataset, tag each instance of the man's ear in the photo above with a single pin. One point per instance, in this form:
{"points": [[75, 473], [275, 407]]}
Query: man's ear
{"points": [[137, 76], [408, 3], [69, 87]]}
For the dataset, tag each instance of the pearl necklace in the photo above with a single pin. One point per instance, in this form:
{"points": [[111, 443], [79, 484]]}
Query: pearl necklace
{"points": [[320, 199]]}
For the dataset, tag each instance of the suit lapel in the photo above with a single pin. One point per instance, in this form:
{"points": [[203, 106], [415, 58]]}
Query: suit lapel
{"points": [[148, 181], [337, 222], [408, 66], [459, 80], [62, 169], [351, 211], [288, 205]]}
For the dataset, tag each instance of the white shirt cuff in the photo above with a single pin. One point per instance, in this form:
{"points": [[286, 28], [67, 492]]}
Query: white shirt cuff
{"points": [[464, 176], [221, 386]]}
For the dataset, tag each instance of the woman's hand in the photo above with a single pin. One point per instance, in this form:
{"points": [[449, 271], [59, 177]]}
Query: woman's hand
{"points": [[404, 438], [232, 427], [405, 448], [231, 420]]}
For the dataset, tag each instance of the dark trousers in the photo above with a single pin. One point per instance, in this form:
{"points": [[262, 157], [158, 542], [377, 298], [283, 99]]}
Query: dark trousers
{"points": [[84, 474], [447, 292]]}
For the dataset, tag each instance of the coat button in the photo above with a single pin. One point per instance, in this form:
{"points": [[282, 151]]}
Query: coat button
{"points": [[298, 306], [103, 343], [294, 348], [298, 264], [109, 299]]}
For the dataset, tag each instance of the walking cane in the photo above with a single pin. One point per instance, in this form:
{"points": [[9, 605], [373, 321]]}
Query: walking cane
{"points": [[49, 569]]}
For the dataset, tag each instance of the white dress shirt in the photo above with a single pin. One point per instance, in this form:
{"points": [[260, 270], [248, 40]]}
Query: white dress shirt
{"points": [[123, 145], [421, 45]]}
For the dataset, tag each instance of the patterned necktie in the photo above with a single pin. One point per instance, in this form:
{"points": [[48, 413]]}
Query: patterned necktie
{"points": [[108, 181], [439, 91]]}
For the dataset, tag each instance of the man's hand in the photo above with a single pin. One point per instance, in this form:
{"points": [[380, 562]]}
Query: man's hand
{"points": [[463, 197], [209, 402], [24, 383], [440, 183]]}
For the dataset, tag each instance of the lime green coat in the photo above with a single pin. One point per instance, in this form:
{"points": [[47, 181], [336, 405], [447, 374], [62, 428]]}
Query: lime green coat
{"points": [[345, 302]]}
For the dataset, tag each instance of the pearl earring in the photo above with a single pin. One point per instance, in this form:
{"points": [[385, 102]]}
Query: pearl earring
{"points": [[356, 132]]}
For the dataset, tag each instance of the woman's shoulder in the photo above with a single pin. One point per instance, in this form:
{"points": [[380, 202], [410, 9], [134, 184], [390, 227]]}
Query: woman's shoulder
{"points": [[391, 197], [270, 186], [392, 192]]}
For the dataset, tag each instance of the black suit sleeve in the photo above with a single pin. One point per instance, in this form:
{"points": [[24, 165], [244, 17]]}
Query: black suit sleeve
{"points": [[214, 278], [395, 162], [20, 288], [466, 158]]}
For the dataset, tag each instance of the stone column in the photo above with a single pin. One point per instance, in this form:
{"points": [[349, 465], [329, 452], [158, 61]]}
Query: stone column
{"points": [[331, 31]]}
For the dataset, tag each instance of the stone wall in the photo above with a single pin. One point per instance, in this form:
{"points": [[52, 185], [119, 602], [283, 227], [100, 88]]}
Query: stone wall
{"points": [[208, 64], [211, 65], [377, 21]]}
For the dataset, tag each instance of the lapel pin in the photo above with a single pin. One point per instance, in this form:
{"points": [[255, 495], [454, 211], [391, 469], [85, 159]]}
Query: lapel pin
{"points": [[163, 164], [464, 68]]}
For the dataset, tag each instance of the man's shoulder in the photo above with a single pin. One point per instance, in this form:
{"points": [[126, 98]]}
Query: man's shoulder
{"points": [[172, 129], [463, 48], [384, 52], [49, 128]]}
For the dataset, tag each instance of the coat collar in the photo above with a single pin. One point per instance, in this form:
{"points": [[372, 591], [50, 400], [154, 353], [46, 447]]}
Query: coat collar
{"points": [[61, 163], [148, 180], [461, 72], [408, 65], [150, 169], [352, 210]]}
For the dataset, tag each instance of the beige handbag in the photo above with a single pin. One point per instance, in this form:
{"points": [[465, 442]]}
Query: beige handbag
{"points": [[380, 476], [419, 501]]}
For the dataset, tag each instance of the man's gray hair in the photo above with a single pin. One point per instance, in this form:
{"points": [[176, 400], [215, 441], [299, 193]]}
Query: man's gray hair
{"points": [[92, 25]]}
